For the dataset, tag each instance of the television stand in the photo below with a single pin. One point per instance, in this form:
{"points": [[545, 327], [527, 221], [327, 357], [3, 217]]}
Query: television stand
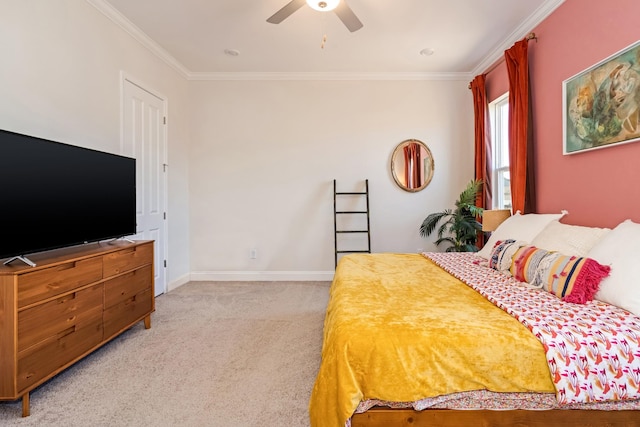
{"points": [[20, 258], [75, 300]]}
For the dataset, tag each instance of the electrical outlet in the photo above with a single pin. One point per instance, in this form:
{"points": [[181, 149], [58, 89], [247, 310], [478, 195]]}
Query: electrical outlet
{"points": [[253, 253]]}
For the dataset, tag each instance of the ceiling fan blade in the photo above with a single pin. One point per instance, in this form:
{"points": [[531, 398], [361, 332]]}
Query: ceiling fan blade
{"points": [[286, 11], [348, 18]]}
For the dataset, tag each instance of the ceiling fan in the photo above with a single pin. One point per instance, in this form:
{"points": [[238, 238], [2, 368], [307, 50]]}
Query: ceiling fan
{"points": [[344, 12]]}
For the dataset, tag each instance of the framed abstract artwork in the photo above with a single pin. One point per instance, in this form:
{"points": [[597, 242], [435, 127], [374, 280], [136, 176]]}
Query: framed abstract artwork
{"points": [[601, 105]]}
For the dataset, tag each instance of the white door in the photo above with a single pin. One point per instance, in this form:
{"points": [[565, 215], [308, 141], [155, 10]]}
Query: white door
{"points": [[144, 138]]}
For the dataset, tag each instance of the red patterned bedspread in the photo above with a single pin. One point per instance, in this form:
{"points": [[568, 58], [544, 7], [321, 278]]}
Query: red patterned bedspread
{"points": [[593, 350]]}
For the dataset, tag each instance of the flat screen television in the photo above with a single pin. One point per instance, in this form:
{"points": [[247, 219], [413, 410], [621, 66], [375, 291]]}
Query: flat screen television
{"points": [[55, 195]]}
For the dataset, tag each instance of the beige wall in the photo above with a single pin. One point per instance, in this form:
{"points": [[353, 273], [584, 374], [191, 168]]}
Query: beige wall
{"points": [[60, 79], [264, 155], [251, 163]]}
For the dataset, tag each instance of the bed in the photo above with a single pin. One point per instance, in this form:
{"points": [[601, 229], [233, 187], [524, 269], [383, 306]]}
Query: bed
{"points": [[454, 339]]}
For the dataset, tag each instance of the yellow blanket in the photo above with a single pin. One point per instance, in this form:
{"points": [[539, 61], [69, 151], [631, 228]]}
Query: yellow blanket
{"points": [[399, 328]]}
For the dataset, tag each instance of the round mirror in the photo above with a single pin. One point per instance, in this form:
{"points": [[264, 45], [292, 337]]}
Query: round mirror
{"points": [[412, 165]]}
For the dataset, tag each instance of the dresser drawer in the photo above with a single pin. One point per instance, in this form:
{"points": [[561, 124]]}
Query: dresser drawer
{"points": [[49, 282], [124, 314], [46, 321], [127, 259], [41, 360], [122, 288]]}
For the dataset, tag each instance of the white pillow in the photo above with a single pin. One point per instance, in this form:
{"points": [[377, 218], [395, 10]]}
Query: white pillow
{"points": [[568, 239], [518, 227], [619, 249]]}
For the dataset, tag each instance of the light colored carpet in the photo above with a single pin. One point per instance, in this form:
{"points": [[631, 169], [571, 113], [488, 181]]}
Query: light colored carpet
{"points": [[217, 354]]}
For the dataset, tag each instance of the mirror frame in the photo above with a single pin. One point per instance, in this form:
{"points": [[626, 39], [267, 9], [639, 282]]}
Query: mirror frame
{"points": [[398, 151]]}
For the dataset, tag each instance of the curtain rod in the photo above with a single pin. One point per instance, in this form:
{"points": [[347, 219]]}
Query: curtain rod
{"points": [[530, 36]]}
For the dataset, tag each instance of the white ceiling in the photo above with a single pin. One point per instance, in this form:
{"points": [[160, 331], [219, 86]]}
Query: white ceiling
{"points": [[466, 36]]}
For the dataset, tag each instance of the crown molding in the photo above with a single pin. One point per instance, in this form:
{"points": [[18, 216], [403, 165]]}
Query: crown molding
{"points": [[328, 76], [497, 55], [119, 19]]}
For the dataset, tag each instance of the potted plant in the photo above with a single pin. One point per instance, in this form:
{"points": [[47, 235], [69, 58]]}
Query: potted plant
{"points": [[460, 227]]}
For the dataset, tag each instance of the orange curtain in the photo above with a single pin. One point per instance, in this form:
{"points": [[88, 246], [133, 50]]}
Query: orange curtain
{"points": [[483, 155], [412, 162], [520, 130]]}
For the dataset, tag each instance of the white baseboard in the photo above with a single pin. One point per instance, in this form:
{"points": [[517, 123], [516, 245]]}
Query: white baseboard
{"points": [[260, 276], [174, 284]]}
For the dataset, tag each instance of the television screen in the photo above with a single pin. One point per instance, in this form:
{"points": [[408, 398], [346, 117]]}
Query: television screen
{"points": [[56, 195]]}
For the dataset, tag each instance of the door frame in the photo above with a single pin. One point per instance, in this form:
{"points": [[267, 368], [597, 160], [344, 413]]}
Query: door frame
{"points": [[124, 77]]}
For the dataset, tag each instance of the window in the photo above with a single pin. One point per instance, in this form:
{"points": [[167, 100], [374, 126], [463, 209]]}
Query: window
{"points": [[501, 182]]}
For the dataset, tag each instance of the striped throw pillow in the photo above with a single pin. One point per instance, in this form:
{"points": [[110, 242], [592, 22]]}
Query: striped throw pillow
{"points": [[525, 264], [572, 278], [502, 254]]}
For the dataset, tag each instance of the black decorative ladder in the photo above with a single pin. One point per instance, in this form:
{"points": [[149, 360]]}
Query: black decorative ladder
{"points": [[337, 212]]}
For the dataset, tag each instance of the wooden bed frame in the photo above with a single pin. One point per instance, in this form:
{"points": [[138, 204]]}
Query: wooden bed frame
{"points": [[385, 417]]}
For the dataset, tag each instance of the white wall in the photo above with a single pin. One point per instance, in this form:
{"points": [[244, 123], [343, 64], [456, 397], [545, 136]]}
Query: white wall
{"points": [[60, 79], [258, 170], [264, 155]]}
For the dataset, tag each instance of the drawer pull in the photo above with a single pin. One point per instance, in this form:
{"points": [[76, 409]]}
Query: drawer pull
{"points": [[66, 332], [67, 298], [66, 266], [130, 274]]}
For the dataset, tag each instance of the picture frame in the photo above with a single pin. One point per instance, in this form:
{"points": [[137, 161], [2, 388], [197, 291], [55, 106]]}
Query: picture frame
{"points": [[601, 105]]}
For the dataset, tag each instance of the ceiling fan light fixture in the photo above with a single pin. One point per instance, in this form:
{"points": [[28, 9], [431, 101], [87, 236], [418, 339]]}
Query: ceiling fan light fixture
{"points": [[323, 5], [427, 51]]}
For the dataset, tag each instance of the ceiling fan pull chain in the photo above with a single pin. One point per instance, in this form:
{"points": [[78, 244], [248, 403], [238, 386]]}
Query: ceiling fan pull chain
{"points": [[324, 40]]}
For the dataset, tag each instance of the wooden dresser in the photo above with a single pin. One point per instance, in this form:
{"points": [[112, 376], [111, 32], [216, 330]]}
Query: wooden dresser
{"points": [[72, 302]]}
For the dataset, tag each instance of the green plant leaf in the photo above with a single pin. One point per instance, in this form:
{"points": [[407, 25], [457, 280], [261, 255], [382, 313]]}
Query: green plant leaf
{"points": [[459, 227], [431, 221]]}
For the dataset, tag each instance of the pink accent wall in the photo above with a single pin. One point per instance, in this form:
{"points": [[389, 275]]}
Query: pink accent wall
{"points": [[497, 82], [599, 187]]}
